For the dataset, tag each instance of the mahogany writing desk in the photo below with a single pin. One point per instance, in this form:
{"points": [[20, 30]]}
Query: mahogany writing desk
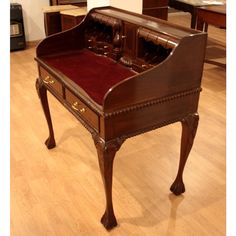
{"points": [[122, 74]]}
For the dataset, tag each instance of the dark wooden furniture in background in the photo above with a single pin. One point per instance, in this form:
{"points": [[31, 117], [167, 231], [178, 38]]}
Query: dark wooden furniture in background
{"points": [[122, 74], [71, 18], [52, 18], [79, 3], [156, 8], [214, 15], [53, 2], [191, 7]]}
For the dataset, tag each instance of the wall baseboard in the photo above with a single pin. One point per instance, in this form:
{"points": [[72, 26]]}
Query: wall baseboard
{"points": [[34, 43]]}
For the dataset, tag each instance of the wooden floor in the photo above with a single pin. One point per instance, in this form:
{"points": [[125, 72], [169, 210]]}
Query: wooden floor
{"points": [[59, 192]]}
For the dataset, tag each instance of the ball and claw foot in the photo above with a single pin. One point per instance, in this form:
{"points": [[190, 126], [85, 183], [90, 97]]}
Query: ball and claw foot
{"points": [[108, 222], [177, 188], [50, 143]]}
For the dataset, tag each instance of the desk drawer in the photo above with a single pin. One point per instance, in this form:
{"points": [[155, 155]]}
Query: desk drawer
{"points": [[82, 110], [50, 81]]}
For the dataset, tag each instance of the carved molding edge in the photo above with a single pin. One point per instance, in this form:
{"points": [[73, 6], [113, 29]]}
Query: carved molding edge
{"points": [[159, 125], [153, 102], [117, 142], [185, 119]]}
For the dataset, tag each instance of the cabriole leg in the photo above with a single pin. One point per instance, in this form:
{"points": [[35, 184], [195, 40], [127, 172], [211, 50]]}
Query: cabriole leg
{"points": [[106, 153], [42, 92], [189, 128]]}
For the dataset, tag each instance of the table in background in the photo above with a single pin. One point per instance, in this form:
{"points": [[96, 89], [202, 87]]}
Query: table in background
{"points": [[52, 18], [191, 7], [214, 15], [156, 8], [71, 18]]}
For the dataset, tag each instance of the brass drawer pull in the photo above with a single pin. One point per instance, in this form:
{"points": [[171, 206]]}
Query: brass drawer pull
{"points": [[82, 110], [75, 106], [48, 80]]}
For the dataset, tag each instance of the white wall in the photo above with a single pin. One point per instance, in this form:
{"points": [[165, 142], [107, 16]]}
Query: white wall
{"points": [[129, 5], [97, 3], [33, 18]]}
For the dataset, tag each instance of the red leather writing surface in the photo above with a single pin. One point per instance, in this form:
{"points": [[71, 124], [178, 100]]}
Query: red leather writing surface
{"points": [[83, 66]]}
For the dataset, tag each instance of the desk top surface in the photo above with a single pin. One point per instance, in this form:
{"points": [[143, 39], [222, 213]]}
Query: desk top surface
{"points": [[216, 9], [202, 2], [58, 8], [83, 66], [81, 11]]}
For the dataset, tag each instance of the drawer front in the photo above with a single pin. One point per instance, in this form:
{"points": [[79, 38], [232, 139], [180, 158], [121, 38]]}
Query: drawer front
{"points": [[51, 81], [82, 110]]}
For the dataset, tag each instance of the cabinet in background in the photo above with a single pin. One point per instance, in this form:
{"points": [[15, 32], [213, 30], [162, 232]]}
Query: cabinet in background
{"points": [[156, 8], [80, 3], [71, 18]]}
